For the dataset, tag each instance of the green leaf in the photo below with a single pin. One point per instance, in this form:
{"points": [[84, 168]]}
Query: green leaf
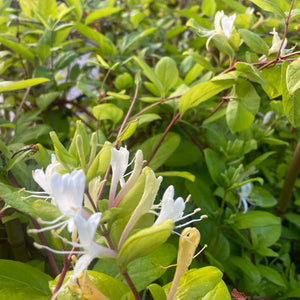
{"points": [[145, 270], [265, 236], [293, 77], [45, 210], [157, 292], [128, 131], [111, 287], [238, 118], [254, 41], [272, 275], [209, 7], [259, 159], [80, 131], [61, 152], [123, 81], [202, 92], [291, 105], [18, 48], [168, 146], [22, 281], [241, 183], [167, 73], [215, 166], [187, 175], [200, 60], [148, 118], [64, 60], [293, 218], [144, 242], [48, 8], [130, 41], [251, 73], [107, 111], [249, 270], [241, 111], [273, 77], [196, 283], [261, 197], [13, 198], [253, 219], [220, 291], [222, 44], [105, 44], [100, 13], [269, 6], [46, 99], [150, 74], [6, 86], [120, 95], [77, 8], [100, 163]]}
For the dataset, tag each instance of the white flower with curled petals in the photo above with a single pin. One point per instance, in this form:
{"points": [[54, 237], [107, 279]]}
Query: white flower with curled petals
{"points": [[119, 163], [43, 179], [173, 209], [67, 192], [86, 232], [245, 191], [223, 26]]}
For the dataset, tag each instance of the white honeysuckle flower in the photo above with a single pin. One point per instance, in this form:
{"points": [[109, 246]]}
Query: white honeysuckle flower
{"points": [[67, 191], [86, 232], [173, 209], [170, 209], [249, 10], [227, 25], [91, 250], [138, 166], [276, 42], [267, 117], [245, 191], [223, 26], [119, 163], [43, 179]]}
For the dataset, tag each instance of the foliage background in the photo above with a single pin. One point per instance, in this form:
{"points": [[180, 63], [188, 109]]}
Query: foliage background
{"points": [[64, 61]]}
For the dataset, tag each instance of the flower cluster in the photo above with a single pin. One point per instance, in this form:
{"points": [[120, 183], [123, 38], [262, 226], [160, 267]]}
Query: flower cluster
{"points": [[223, 26], [66, 192]]}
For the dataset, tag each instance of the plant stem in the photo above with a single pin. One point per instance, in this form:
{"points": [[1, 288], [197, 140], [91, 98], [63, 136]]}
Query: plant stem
{"points": [[130, 283], [287, 22], [117, 141], [17, 114], [162, 138], [289, 182], [44, 242]]}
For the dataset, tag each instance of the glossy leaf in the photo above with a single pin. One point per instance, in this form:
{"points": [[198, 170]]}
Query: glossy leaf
{"points": [[255, 219], [269, 6], [167, 73], [144, 242], [22, 281], [254, 41], [107, 111], [202, 92], [6, 86], [197, 283], [100, 13]]}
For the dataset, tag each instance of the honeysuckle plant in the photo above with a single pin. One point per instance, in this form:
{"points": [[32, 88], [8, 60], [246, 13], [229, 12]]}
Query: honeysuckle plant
{"points": [[201, 98]]}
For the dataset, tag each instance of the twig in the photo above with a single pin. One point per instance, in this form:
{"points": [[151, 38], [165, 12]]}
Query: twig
{"points": [[162, 138], [44, 242], [17, 114], [287, 22], [117, 141]]}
